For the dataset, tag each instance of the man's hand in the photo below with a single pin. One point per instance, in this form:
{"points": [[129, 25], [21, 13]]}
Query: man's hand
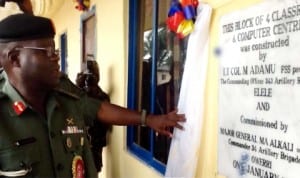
{"points": [[162, 123], [113, 114]]}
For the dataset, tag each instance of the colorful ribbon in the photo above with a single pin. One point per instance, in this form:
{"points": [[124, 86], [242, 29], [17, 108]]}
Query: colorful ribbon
{"points": [[181, 17], [82, 4]]}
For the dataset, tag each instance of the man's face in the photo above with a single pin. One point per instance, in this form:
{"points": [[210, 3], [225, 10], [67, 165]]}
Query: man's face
{"points": [[39, 62]]}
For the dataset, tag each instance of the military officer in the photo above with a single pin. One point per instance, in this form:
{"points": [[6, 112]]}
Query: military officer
{"points": [[43, 114]]}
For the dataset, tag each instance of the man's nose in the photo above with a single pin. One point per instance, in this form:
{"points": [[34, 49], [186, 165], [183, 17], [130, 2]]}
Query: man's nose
{"points": [[55, 57]]}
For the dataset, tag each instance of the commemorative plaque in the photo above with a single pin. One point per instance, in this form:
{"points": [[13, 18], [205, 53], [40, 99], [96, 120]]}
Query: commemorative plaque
{"points": [[259, 91]]}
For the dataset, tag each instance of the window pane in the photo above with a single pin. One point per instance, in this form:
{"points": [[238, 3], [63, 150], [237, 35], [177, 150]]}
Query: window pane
{"points": [[142, 134], [169, 63]]}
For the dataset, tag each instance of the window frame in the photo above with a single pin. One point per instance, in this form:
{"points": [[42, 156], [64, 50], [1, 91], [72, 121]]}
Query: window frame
{"points": [[143, 154], [64, 52], [84, 17]]}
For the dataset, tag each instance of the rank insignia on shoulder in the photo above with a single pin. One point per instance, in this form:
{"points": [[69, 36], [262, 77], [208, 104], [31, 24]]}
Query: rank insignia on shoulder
{"points": [[19, 107], [78, 169]]}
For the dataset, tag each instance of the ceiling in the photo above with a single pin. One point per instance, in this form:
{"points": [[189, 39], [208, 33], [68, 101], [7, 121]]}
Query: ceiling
{"points": [[40, 7]]}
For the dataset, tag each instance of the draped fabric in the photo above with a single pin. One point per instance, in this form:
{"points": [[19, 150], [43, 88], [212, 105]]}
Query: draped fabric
{"points": [[183, 156]]}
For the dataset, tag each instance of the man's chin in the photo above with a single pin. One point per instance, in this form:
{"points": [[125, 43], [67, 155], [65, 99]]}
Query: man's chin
{"points": [[53, 84]]}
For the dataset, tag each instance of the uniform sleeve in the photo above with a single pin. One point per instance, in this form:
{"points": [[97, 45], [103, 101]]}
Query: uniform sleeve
{"points": [[90, 108]]}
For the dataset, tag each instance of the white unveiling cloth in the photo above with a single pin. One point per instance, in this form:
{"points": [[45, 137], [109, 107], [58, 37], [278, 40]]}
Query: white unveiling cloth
{"points": [[183, 156]]}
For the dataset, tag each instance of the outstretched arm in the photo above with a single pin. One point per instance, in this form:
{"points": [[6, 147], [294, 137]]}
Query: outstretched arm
{"points": [[113, 114]]}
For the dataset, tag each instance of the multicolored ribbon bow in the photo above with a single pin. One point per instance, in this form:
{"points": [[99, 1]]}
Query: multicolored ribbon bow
{"points": [[82, 5], [181, 17]]}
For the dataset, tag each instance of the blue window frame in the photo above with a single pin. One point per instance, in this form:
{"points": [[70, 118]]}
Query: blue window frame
{"points": [[156, 59], [63, 53]]}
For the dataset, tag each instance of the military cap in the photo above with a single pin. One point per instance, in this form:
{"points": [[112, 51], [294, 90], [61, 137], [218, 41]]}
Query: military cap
{"points": [[21, 27]]}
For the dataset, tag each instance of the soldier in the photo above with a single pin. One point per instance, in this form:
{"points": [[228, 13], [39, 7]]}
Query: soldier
{"points": [[88, 81], [43, 114]]}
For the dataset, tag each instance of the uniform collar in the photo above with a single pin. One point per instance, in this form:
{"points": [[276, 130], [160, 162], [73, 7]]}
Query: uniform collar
{"points": [[18, 104]]}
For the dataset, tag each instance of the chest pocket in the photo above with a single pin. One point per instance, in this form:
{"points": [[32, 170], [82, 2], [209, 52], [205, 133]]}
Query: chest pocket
{"points": [[22, 159]]}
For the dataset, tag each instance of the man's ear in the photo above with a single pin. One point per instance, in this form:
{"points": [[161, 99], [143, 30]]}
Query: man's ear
{"points": [[13, 57]]}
